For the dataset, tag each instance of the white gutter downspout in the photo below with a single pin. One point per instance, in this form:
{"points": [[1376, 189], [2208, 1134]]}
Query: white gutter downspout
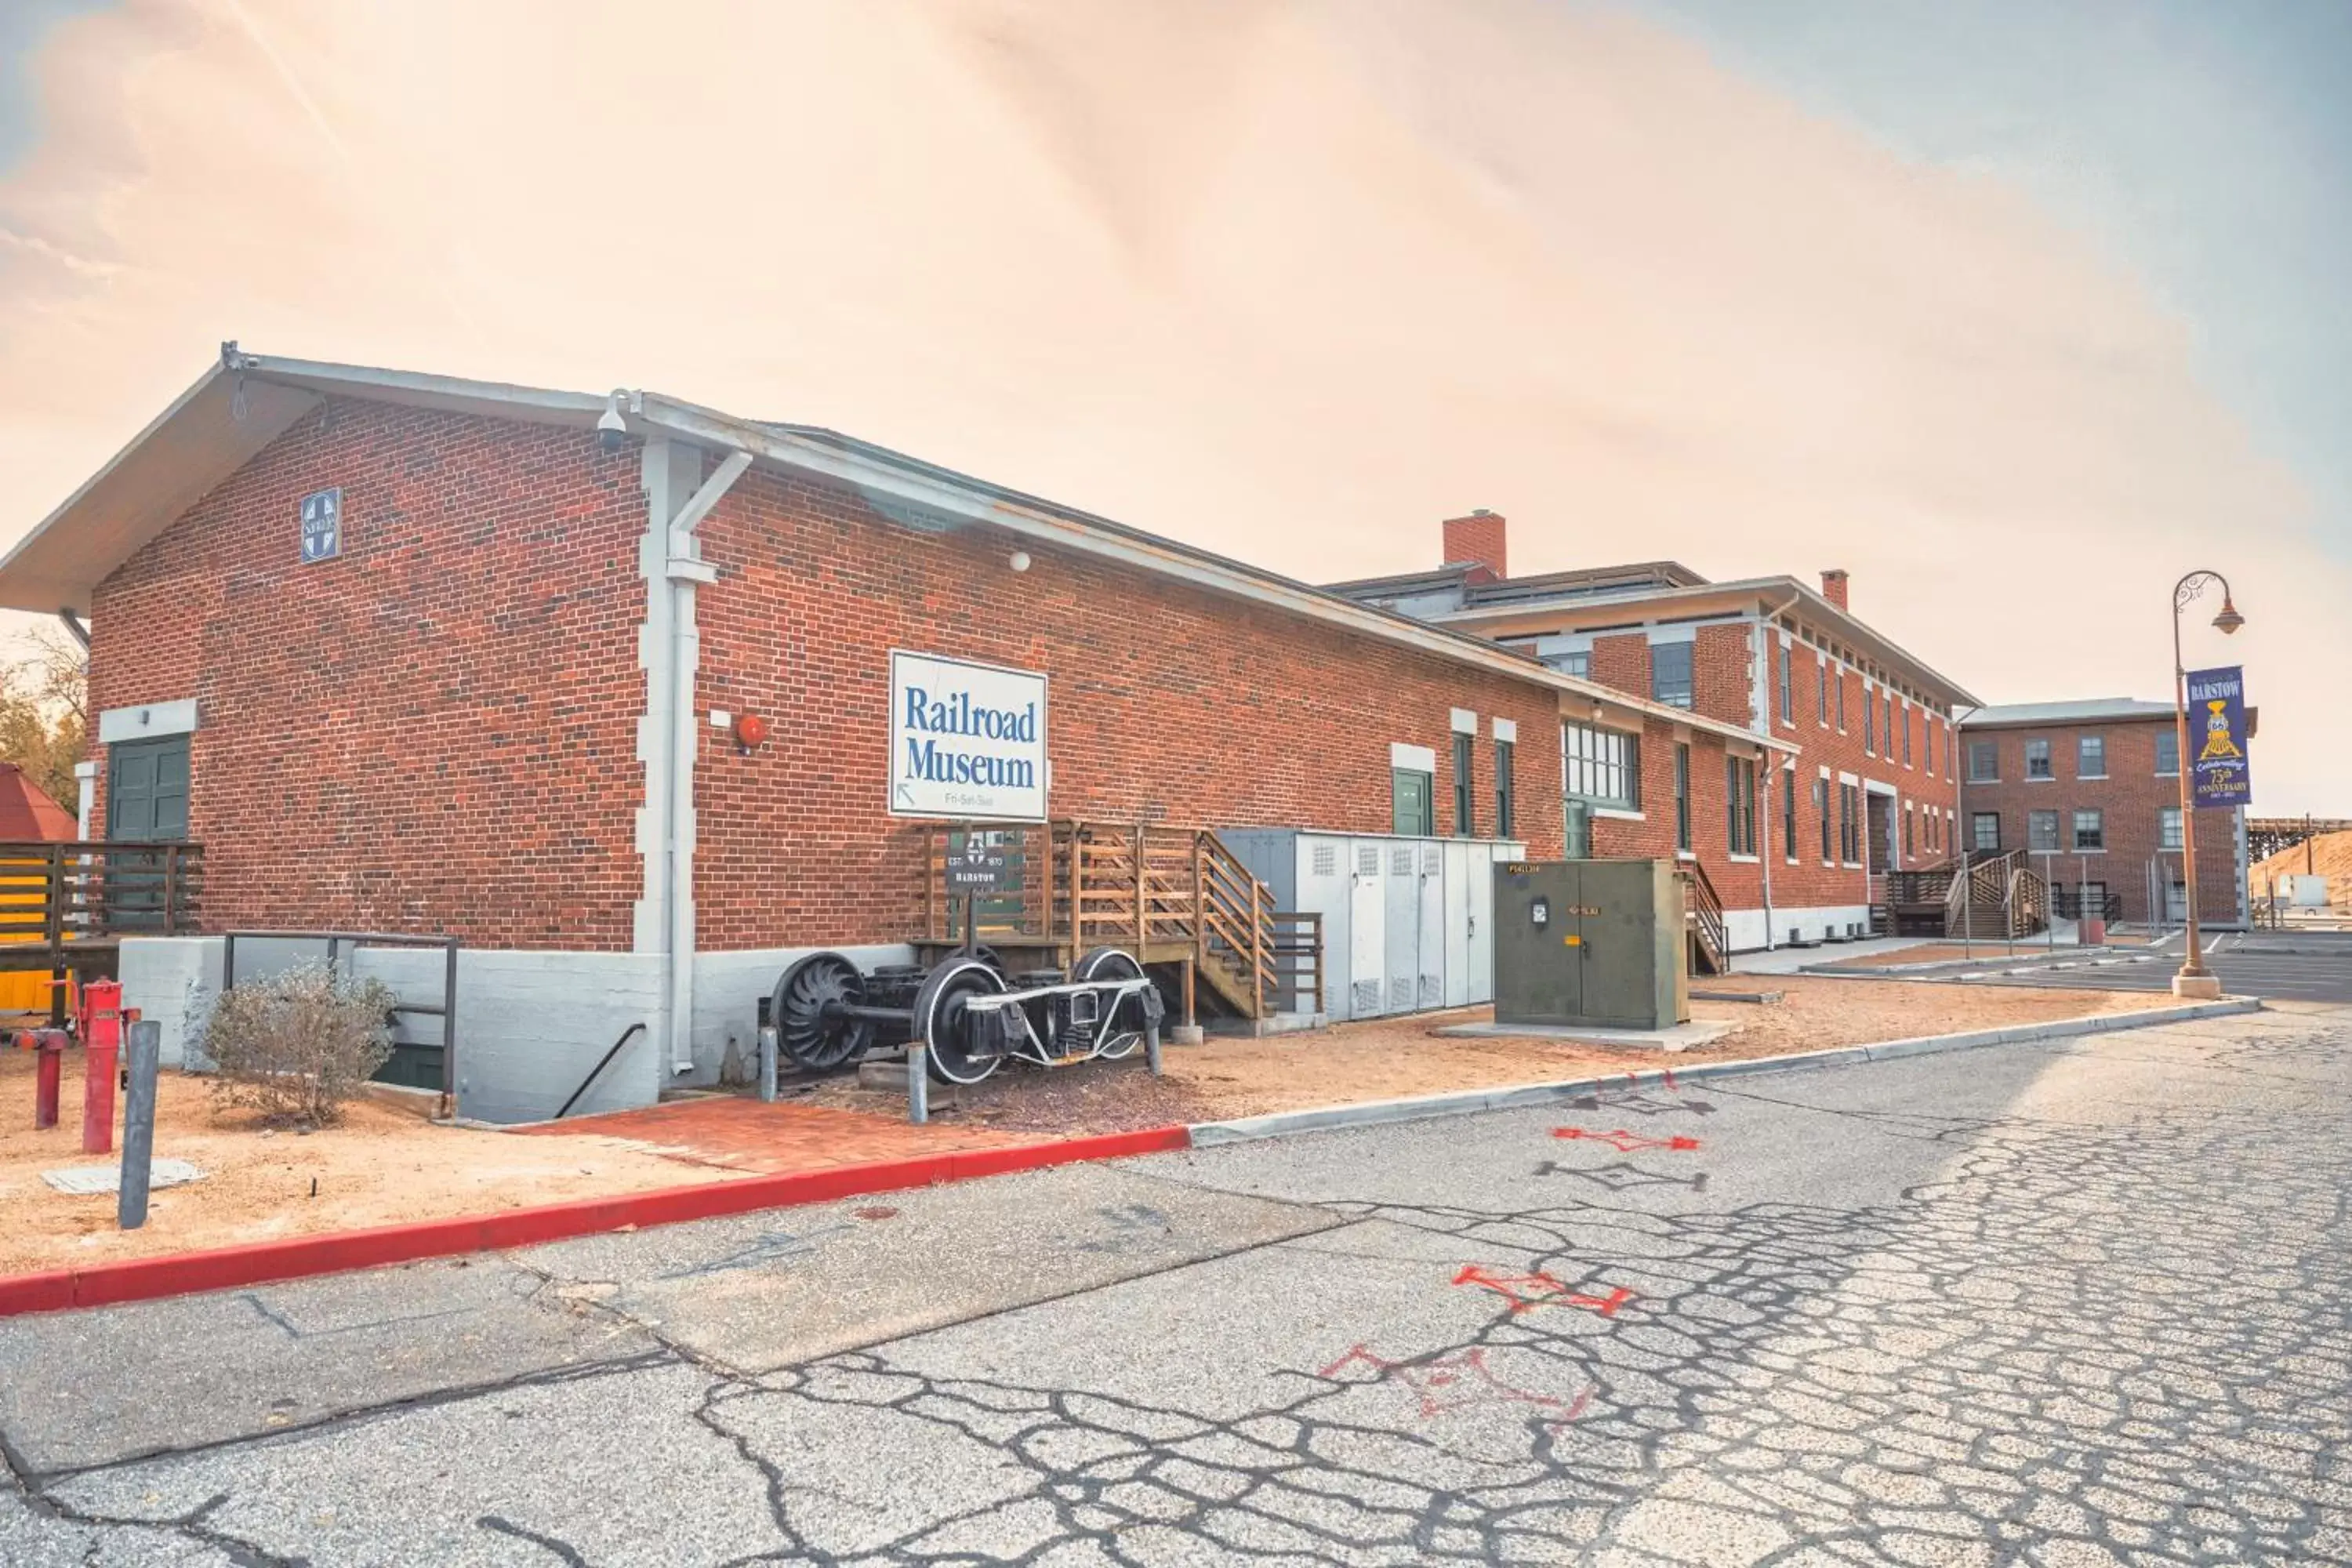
{"points": [[1768, 638], [670, 652]]}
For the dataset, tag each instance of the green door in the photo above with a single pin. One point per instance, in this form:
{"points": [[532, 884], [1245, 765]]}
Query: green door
{"points": [[1416, 807], [146, 801]]}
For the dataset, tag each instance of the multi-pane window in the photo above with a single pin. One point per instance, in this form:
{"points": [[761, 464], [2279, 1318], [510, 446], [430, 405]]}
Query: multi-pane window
{"points": [[1984, 761], [1604, 767], [2168, 828], [2037, 760], [1739, 803], [1681, 797], [1927, 734], [1670, 673], [1505, 811], [1577, 662], [1869, 722], [2167, 752], [1788, 687], [1906, 734], [1822, 690], [1461, 785], [1789, 814], [1840, 702], [2090, 756], [1821, 810], [1850, 824], [1910, 840], [1985, 827], [2090, 829], [2042, 831], [1414, 812]]}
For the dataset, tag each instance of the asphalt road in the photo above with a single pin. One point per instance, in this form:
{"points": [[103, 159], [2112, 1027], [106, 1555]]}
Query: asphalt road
{"points": [[2313, 966], [2056, 1304]]}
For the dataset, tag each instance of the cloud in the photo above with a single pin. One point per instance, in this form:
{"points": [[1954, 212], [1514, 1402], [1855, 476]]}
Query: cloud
{"points": [[1290, 280]]}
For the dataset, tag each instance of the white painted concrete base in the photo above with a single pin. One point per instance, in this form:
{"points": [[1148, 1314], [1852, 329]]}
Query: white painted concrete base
{"points": [[2197, 987]]}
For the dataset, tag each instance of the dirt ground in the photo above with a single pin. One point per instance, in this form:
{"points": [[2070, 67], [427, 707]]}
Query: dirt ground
{"points": [[2328, 855], [1388, 1059], [386, 1165]]}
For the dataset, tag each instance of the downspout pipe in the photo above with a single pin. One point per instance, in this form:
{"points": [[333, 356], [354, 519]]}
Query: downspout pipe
{"points": [[676, 649], [1764, 629]]}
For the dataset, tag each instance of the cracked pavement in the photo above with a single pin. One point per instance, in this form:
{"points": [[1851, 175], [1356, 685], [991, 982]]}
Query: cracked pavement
{"points": [[2066, 1303]]}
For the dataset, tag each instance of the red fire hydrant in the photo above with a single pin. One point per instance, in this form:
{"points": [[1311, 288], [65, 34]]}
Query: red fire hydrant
{"points": [[49, 1069], [102, 1043]]}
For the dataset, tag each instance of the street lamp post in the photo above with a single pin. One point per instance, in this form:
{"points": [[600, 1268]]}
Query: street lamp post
{"points": [[2194, 979]]}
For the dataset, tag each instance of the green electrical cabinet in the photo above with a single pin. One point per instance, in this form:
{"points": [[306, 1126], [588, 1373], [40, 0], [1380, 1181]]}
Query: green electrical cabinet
{"points": [[1594, 942]]}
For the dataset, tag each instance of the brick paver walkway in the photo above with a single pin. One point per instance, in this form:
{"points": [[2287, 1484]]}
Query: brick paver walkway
{"points": [[741, 1134]]}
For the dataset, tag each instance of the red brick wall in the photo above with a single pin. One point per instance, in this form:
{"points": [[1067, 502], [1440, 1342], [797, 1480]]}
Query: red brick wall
{"points": [[1724, 664], [435, 730], [2130, 796], [1167, 702], [1481, 537]]}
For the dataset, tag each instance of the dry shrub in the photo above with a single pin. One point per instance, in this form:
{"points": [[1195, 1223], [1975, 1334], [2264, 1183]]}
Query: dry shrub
{"points": [[298, 1045]]}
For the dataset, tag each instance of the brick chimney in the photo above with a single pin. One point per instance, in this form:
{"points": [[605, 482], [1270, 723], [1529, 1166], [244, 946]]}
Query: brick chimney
{"points": [[1834, 586], [1477, 540]]}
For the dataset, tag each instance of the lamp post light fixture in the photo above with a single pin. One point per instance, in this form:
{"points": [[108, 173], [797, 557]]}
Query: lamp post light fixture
{"points": [[2194, 979]]}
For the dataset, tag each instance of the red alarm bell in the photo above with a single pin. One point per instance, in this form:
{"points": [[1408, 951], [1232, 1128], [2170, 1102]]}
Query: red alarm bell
{"points": [[750, 730]]}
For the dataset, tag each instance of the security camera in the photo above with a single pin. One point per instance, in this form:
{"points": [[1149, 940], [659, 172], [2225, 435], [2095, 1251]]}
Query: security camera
{"points": [[612, 431]]}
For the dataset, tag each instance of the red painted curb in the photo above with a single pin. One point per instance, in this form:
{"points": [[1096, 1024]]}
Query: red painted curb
{"points": [[229, 1267]]}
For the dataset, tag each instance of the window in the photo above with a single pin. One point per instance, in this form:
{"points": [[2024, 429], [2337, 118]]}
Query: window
{"points": [[1681, 797], [2167, 752], [2042, 831], [2090, 830], [1461, 785], [2037, 760], [1578, 663], [1670, 673], [1850, 824], [1788, 687], [1789, 814], [1985, 827], [1927, 734], [1948, 743], [2090, 756], [1840, 702], [1739, 804], [1870, 724], [1822, 690], [1604, 767], [1504, 816], [2168, 828], [1821, 810], [1984, 761], [1416, 813], [1906, 734]]}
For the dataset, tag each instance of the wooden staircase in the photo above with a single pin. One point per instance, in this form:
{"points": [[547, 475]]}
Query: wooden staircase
{"points": [[1995, 899], [1708, 940], [1175, 897]]}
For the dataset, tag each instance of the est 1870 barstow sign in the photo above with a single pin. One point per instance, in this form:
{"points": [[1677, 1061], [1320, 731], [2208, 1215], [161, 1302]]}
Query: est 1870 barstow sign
{"points": [[967, 741]]}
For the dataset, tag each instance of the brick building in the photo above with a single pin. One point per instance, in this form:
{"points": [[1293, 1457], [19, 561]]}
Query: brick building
{"points": [[413, 654], [2090, 791], [1861, 777]]}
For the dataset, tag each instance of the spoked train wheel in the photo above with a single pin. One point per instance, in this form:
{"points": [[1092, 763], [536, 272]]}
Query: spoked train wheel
{"points": [[812, 1041], [940, 1021], [1121, 1029]]}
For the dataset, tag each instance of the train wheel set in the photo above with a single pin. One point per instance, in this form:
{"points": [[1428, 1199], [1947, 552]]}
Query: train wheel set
{"points": [[969, 1015]]}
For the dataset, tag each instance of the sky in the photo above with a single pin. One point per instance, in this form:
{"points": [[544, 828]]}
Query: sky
{"points": [[2017, 312]]}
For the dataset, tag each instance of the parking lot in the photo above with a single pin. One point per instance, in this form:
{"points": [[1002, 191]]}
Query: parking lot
{"points": [[2286, 966]]}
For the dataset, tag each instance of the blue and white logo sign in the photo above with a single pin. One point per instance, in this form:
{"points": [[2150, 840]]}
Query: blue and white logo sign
{"points": [[322, 525], [967, 741]]}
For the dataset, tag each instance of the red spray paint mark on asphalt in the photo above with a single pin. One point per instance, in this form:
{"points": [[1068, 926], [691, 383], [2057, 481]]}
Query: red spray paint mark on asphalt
{"points": [[1458, 1382], [1626, 1142], [1526, 1292], [1670, 1077]]}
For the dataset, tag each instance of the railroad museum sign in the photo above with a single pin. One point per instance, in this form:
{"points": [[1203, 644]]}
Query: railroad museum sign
{"points": [[967, 741]]}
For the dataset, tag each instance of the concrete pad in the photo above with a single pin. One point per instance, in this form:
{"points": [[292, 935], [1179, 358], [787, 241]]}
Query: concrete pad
{"points": [[765, 1291], [1681, 1037], [96, 1387]]}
